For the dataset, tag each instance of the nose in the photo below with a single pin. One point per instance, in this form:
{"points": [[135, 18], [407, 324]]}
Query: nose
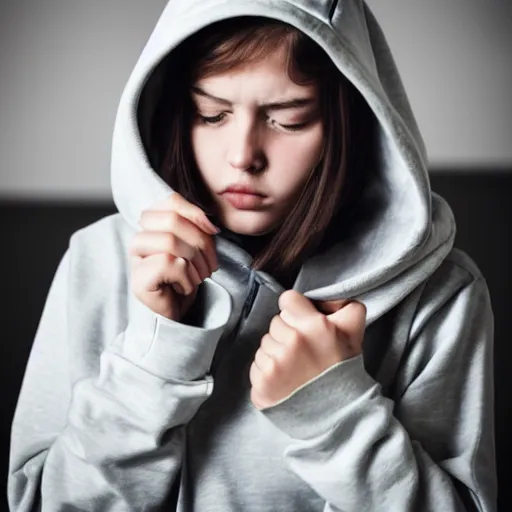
{"points": [[245, 150]]}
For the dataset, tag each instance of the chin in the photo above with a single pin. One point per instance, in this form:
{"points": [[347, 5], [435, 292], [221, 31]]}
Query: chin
{"points": [[248, 223]]}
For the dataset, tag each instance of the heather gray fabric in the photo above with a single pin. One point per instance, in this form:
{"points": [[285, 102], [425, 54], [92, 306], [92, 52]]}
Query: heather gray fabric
{"points": [[121, 409]]}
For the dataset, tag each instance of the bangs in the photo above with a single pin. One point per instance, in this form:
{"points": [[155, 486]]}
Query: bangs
{"points": [[238, 42]]}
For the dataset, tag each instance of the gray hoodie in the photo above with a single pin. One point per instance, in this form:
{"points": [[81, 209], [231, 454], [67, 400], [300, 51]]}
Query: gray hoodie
{"points": [[121, 409]]}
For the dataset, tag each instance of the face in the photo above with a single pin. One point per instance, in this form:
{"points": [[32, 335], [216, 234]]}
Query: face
{"points": [[256, 138]]}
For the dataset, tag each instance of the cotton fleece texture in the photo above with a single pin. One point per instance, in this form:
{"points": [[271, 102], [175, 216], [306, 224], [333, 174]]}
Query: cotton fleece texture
{"points": [[121, 409]]}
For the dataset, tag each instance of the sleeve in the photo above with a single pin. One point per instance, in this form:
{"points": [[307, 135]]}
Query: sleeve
{"points": [[113, 441], [430, 449]]}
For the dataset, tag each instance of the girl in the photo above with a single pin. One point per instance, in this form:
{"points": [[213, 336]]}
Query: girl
{"points": [[276, 318]]}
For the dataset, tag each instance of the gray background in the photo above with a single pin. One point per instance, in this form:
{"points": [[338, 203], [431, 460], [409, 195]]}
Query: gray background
{"points": [[63, 65]]}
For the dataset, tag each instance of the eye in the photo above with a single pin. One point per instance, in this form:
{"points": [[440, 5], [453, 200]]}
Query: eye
{"points": [[294, 127], [214, 119], [287, 127]]}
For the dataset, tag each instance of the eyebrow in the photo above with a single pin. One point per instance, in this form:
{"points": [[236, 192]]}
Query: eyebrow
{"points": [[278, 105]]}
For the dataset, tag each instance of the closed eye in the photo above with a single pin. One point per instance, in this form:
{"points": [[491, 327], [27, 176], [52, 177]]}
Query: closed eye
{"points": [[294, 127], [287, 127], [213, 119]]}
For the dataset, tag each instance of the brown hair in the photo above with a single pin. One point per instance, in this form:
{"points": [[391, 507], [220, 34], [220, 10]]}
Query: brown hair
{"points": [[225, 46]]}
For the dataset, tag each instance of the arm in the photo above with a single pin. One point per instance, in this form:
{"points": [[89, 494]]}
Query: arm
{"points": [[112, 441], [432, 449]]}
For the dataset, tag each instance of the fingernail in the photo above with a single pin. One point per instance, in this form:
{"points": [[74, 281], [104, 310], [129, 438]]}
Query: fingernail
{"points": [[214, 229], [211, 227]]}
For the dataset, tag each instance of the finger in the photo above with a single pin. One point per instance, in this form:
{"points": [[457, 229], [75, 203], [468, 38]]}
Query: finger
{"points": [[272, 348], [176, 202], [164, 269], [200, 263], [257, 383], [281, 332], [254, 374], [266, 365], [148, 243], [172, 222], [351, 319], [295, 308], [193, 273]]}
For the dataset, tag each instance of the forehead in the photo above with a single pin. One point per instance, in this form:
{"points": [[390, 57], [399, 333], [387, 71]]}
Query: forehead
{"points": [[261, 82]]}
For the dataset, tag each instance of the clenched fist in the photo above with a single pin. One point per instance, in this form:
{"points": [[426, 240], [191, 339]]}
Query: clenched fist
{"points": [[303, 342], [171, 256]]}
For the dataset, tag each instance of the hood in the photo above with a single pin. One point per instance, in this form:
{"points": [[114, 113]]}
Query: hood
{"points": [[410, 230]]}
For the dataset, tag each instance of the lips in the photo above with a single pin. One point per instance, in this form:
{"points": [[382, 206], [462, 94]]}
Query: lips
{"points": [[242, 189], [243, 197]]}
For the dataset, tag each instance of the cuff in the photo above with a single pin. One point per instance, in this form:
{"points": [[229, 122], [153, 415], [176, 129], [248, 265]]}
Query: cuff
{"points": [[316, 407], [173, 350]]}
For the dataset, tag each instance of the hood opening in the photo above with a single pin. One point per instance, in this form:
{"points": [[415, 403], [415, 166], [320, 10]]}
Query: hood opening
{"points": [[361, 204], [395, 225]]}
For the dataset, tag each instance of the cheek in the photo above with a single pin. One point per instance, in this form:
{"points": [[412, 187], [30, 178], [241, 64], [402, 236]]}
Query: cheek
{"points": [[312, 148], [206, 152], [200, 145], [295, 158]]}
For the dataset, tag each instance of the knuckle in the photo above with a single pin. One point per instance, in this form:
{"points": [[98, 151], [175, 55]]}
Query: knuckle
{"points": [[161, 263], [201, 269], [202, 243], [254, 374], [180, 263], [270, 368], [322, 322], [135, 241], [174, 198], [164, 259], [265, 341], [170, 243], [171, 221], [281, 356], [295, 341], [275, 322], [284, 298]]}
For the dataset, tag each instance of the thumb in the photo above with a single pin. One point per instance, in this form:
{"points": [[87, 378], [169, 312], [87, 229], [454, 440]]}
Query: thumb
{"points": [[296, 304], [295, 308], [350, 319]]}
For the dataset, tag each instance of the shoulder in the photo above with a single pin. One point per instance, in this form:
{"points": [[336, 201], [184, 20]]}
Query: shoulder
{"points": [[98, 266], [100, 245], [457, 282], [107, 232]]}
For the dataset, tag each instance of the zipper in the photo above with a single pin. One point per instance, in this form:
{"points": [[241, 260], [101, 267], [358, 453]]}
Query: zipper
{"points": [[254, 286]]}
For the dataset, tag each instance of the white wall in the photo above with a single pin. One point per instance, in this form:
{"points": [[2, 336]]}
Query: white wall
{"points": [[456, 62], [63, 65]]}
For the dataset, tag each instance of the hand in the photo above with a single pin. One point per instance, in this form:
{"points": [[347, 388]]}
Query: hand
{"points": [[303, 342], [171, 256]]}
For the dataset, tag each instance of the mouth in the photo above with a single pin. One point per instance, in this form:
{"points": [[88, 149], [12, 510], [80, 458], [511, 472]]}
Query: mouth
{"points": [[243, 197]]}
